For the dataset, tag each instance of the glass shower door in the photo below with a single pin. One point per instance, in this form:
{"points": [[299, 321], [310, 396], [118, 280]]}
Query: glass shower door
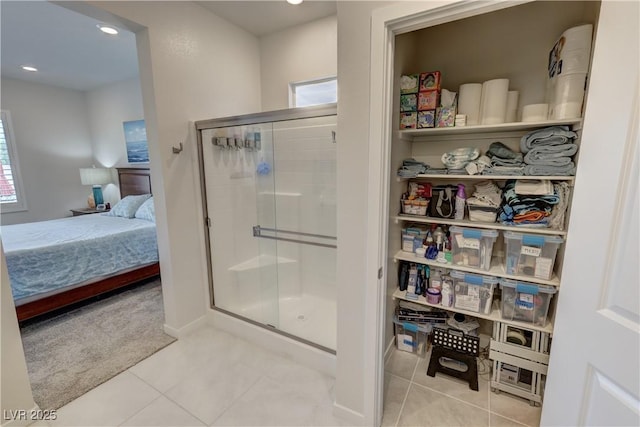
{"points": [[239, 188]]}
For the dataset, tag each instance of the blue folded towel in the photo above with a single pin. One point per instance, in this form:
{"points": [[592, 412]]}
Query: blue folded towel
{"points": [[554, 135], [546, 170], [551, 155]]}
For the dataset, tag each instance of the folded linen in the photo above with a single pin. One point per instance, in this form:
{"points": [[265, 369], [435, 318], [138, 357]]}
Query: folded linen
{"points": [[539, 187], [497, 161], [553, 155], [554, 135], [498, 149], [504, 170], [458, 158], [411, 168], [462, 171], [487, 193], [556, 220], [547, 170]]}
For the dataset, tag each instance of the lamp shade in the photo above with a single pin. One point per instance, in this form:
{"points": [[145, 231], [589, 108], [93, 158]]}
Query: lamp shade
{"points": [[95, 176]]}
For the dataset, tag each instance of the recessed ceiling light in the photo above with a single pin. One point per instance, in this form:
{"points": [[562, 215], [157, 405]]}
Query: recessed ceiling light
{"points": [[294, 1], [29, 68], [107, 29]]}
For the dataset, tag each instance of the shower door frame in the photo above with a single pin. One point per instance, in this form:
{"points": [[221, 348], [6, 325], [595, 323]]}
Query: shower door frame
{"points": [[248, 120]]}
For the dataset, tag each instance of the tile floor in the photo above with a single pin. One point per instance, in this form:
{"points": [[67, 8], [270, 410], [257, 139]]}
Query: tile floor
{"points": [[211, 378], [414, 399]]}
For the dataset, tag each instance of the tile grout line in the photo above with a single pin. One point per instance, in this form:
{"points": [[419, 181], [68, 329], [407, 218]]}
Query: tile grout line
{"points": [[140, 410], [260, 377], [452, 397], [406, 395]]}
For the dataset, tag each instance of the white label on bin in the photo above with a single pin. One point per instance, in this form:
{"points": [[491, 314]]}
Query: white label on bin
{"points": [[525, 302], [543, 268], [459, 240], [471, 243], [531, 251], [468, 302], [405, 342], [473, 291]]}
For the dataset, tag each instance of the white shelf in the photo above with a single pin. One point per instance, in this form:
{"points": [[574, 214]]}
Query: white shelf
{"points": [[494, 316], [496, 270], [488, 177], [476, 224], [410, 134]]}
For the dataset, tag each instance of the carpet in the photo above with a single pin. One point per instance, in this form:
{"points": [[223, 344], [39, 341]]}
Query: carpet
{"points": [[69, 354]]}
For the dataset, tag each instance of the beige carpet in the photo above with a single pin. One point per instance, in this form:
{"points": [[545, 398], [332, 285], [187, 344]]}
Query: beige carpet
{"points": [[72, 353]]}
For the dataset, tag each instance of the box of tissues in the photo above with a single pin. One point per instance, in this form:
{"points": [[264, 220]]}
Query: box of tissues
{"points": [[446, 113]]}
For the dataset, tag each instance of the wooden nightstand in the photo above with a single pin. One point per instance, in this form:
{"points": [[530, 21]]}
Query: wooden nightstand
{"points": [[85, 211]]}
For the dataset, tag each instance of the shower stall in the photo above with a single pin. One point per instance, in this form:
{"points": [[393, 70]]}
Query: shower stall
{"points": [[269, 198]]}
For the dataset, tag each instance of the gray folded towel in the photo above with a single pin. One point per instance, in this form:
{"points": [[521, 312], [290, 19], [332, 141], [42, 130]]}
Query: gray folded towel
{"points": [[552, 155], [504, 170], [554, 135], [497, 161], [547, 170], [498, 149]]}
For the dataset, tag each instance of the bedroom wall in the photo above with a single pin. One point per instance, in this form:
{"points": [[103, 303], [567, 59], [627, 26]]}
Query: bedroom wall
{"points": [[286, 57], [53, 140], [181, 48], [108, 107]]}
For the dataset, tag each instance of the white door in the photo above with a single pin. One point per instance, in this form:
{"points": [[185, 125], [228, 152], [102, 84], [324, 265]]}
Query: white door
{"points": [[594, 371]]}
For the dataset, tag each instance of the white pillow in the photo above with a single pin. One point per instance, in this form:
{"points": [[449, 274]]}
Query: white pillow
{"points": [[147, 211], [128, 206]]}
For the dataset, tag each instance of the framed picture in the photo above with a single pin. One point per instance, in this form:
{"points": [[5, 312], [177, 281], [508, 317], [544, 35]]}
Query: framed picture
{"points": [[135, 136]]}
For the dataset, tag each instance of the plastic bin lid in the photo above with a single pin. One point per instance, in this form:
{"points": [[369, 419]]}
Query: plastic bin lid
{"points": [[413, 326], [530, 288], [523, 236], [480, 232], [475, 279]]}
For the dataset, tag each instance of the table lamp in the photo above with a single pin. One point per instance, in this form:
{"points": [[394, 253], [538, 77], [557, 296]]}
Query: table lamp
{"points": [[95, 177]]}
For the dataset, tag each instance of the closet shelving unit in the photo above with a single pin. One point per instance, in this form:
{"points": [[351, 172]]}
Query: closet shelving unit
{"points": [[513, 42]]}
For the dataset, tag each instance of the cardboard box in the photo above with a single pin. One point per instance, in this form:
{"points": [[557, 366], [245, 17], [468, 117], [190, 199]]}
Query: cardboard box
{"points": [[430, 81], [428, 100], [426, 119], [410, 83], [408, 120], [408, 102]]}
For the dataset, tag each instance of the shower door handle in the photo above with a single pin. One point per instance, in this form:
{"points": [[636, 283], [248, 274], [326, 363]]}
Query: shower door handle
{"points": [[257, 232]]}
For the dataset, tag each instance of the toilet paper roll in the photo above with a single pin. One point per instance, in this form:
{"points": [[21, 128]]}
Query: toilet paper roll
{"points": [[469, 102], [493, 104], [569, 88], [572, 51], [535, 112], [512, 106], [566, 110]]}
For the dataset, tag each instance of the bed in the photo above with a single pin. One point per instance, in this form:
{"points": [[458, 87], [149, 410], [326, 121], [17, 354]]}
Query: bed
{"points": [[53, 264]]}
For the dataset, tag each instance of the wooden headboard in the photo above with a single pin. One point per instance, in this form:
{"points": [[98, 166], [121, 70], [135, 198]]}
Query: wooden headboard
{"points": [[134, 181]]}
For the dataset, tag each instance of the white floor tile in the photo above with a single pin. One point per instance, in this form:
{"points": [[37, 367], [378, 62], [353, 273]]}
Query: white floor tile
{"points": [[498, 421], [163, 412], [515, 408], [108, 404], [269, 403], [303, 380], [207, 393], [395, 391], [402, 364]]}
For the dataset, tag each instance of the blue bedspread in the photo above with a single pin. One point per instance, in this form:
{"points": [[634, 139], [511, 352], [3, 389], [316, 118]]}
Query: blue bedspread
{"points": [[50, 255]]}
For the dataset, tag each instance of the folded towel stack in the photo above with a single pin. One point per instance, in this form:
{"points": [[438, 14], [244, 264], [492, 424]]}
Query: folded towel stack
{"points": [[411, 168], [504, 161], [530, 203], [548, 151], [484, 204]]}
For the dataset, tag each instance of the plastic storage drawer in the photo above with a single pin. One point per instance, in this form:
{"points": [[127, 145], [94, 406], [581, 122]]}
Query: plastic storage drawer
{"points": [[531, 255], [473, 292], [412, 337], [472, 247], [525, 302]]}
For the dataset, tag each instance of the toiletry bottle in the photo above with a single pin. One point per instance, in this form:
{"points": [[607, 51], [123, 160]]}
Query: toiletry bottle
{"points": [[413, 273], [438, 237], [419, 282], [461, 199], [404, 276], [425, 280]]}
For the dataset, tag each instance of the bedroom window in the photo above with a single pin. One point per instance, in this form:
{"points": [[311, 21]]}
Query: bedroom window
{"points": [[11, 194], [313, 92]]}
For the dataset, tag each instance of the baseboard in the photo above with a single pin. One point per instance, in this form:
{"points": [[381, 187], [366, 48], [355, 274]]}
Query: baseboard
{"points": [[299, 352], [352, 418], [388, 352], [20, 422], [189, 327]]}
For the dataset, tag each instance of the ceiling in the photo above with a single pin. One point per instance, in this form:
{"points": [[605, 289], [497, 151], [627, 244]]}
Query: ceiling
{"points": [[265, 17], [69, 51]]}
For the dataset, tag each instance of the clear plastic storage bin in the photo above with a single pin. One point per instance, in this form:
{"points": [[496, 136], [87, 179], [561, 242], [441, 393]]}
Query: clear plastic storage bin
{"points": [[531, 255], [472, 247], [412, 337], [525, 302], [473, 292]]}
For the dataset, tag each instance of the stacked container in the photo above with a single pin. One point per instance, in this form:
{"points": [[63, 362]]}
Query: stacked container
{"points": [[525, 302], [531, 255], [472, 247], [473, 292]]}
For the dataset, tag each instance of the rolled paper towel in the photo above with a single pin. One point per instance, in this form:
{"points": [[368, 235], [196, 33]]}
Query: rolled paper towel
{"points": [[493, 104], [566, 110], [574, 50], [568, 89], [512, 106], [469, 102], [535, 112]]}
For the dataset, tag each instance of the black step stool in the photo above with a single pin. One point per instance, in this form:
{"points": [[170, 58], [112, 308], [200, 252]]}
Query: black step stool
{"points": [[458, 346]]}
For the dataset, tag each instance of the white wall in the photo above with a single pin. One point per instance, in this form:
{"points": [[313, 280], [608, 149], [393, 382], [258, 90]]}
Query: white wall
{"points": [[108, 107], [53, 141], [304, 52], [184, 54], [15, 392]]}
